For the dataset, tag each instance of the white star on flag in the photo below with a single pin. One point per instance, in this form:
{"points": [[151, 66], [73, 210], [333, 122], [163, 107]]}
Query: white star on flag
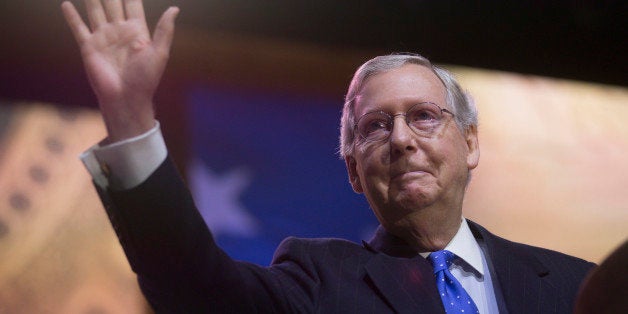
{"points": [[217, 198]]}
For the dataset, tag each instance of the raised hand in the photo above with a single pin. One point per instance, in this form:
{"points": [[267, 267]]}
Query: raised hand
{"points": [[123, 63]]}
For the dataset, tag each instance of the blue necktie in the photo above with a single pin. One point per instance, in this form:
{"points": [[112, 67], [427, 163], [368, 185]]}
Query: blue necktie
{"points": [[454, 297]]}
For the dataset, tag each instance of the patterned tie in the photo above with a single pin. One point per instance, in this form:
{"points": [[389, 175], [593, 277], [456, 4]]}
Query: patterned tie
{"points": [[455, 298]]}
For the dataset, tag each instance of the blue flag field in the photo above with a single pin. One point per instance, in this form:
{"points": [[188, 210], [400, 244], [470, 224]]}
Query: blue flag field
{"points": [[265, 167]]}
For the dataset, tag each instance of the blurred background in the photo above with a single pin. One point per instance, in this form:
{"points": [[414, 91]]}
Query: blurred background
{"points": [[250, 105]]}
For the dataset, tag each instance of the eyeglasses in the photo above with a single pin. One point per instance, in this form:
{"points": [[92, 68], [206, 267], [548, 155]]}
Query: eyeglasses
{"points": [[423, 118]]}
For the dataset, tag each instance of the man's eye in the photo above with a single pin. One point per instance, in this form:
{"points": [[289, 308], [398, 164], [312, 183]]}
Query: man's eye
{"points": [[422, 116], [373, 126], [376, 125]]}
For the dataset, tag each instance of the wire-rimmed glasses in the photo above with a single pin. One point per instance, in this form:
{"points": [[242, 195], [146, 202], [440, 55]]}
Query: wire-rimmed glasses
{"points": [[423, 118]]}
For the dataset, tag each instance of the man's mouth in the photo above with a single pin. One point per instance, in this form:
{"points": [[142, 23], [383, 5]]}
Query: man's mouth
{"points": [[408, 174]]}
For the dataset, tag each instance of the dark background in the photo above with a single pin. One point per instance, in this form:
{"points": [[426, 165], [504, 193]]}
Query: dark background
{"points": [[582, 40]]}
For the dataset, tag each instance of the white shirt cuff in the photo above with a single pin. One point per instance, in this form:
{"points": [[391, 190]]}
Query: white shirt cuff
{"points": [[126, 164]]}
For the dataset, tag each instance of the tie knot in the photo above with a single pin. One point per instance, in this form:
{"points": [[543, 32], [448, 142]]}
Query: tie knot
{"points": [[441, 260]]}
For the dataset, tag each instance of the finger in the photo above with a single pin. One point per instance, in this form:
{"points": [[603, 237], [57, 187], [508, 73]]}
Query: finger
{"points": [[135, 10], [164, 31], [75, 22], [95, 13], [114, 10]]}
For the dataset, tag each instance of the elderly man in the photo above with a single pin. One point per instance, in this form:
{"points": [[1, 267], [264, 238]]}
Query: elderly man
{"points": [[409, 139]]}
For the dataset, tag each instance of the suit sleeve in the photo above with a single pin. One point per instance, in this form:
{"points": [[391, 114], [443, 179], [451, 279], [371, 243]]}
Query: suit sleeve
{"points": [[180, 269]]}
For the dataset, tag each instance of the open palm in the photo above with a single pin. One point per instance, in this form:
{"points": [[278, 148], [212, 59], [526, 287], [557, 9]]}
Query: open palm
{"points": [[123, 63]]}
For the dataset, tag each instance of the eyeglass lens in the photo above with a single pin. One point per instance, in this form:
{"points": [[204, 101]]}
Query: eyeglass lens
{"points": [[422, 118]]}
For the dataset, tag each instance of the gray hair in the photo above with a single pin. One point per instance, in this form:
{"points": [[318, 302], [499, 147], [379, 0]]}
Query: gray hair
{"points": [[466, 114]]}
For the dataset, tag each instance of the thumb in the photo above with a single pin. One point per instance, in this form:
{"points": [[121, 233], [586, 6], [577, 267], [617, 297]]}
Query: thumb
{"points": [[164, 31]]}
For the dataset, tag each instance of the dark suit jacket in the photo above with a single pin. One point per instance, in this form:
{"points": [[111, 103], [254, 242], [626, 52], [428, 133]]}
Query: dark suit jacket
{"points": [[181, 270]]}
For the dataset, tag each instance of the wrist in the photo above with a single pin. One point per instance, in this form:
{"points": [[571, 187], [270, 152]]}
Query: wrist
{"points": [[127, 121]]}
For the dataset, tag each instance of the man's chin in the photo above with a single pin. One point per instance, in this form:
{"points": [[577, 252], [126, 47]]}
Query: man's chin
{"points": [[414, 200], [417, 192]]}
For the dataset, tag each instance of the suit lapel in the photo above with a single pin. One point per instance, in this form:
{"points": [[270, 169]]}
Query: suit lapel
{"points": [[401, 276], [406, 280], [518, 273]]}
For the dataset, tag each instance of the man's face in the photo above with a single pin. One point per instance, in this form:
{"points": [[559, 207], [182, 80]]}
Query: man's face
{"points": [[409, 173]]}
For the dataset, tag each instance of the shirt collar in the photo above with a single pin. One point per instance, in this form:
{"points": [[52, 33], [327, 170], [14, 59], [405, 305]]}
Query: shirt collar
{"points": [[465, 247]]}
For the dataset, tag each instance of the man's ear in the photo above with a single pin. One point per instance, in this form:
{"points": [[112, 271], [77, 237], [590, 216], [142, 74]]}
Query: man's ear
{"points": [[354, 178], [473, 147]]}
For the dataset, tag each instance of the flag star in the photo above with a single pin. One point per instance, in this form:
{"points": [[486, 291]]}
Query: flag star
{"points": [[217, 199]]}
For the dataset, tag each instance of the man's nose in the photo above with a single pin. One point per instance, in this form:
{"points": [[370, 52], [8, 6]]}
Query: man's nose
{"points": [[402, 138]]}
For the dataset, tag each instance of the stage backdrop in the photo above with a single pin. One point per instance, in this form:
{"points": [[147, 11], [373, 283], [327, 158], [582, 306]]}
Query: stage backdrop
{"points": [[58, 252], [553, 173], [266, 167], [554, 162]]}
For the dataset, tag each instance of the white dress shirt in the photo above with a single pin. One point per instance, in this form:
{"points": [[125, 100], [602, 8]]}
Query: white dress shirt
{"points": [[125, 164]]}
